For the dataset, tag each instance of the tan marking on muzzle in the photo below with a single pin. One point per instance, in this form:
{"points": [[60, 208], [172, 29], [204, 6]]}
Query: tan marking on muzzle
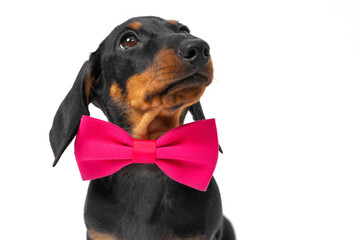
{"points": [[116, 93], [150, 107]]}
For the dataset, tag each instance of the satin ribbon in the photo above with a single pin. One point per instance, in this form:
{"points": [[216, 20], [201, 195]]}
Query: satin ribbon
{"points": [[187, 154]]}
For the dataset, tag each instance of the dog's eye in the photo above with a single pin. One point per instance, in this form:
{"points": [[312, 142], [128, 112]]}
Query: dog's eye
{"points": [[129, 40], [184, 29]]}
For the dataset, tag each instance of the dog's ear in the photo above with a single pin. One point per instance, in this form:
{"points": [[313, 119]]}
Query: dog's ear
{"points": [[198, 114], [68, 116]]}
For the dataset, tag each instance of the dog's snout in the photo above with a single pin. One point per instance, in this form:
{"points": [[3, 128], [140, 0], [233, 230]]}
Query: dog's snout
{"points": [[195, 51]]}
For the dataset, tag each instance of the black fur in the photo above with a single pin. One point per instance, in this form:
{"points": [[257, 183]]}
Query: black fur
{"points": [[140, 201]]}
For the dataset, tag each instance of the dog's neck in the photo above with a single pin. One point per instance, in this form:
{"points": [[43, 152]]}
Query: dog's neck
{"points": [[151, 117], [153, 124]]}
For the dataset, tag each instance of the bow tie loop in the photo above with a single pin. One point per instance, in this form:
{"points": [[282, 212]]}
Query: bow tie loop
{"points": [[144, 151]]}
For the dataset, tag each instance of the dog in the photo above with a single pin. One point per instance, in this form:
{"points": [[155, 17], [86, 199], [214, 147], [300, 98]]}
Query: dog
{"points": [[145, 77]]}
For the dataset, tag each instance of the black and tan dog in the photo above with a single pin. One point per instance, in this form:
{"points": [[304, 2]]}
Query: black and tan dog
{"points": [[145, 76]]}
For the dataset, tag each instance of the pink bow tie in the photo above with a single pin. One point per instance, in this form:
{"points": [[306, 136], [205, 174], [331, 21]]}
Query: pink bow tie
{"points": [[187, 154]]}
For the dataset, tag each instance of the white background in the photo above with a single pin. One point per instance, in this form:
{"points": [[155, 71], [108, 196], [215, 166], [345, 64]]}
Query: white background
{"points": [[286, 97]]}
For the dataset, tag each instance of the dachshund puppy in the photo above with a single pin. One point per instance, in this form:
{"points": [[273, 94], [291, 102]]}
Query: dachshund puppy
{"points": [[145, 76]]}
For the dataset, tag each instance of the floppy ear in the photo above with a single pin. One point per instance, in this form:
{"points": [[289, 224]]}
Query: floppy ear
{"points": [[198, 114], [68, 116]]}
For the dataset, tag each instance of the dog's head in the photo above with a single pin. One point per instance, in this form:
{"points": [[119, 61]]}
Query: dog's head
{"points": [[144, 76]]}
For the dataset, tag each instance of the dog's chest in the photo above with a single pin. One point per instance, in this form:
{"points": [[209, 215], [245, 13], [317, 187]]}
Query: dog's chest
{"points": [[141, 202]]}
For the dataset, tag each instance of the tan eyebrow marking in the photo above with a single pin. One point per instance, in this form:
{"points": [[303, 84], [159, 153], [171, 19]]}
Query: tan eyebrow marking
{"points": [[135, 25], [172, 22]]}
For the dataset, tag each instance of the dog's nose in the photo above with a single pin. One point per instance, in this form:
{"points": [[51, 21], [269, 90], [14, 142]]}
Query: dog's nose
{"points": [[195, 51]]}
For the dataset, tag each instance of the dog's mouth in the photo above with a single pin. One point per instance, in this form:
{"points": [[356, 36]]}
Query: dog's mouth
{"points": [[187, 84], [193, 81]]}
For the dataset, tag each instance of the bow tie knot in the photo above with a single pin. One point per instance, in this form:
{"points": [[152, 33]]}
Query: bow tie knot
{"points": [[187, 154], [144, 151]]}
